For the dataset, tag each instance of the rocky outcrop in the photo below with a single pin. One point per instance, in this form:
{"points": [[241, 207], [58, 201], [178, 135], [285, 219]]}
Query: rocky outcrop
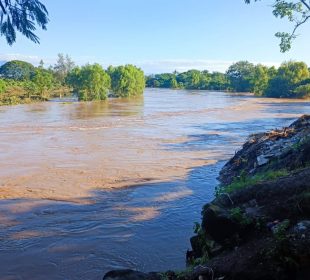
{"points": [[272, 150], [260, 219], [258, 227]]}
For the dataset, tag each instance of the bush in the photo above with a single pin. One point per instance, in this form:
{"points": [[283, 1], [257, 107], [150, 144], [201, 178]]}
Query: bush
{"points": [[126, 81], [90, 82], [303, 91]]}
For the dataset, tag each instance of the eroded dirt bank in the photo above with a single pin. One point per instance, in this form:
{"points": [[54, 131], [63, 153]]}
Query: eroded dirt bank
{"points": [[258, 227]]}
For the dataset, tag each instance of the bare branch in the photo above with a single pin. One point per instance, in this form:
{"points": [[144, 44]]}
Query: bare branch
{"points": [[306, 4]]}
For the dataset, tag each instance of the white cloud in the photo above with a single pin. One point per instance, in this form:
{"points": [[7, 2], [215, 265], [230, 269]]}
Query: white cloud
{"points": [[181, 65], [149, 66], [29, 58]]}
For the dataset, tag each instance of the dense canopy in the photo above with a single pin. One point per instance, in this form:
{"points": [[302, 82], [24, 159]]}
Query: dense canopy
{"points": [[126, 80], [291, 79], [21, 82]]}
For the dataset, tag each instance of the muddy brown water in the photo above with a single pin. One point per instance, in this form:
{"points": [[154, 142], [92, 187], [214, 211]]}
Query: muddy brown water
{"points": [[89, 187]]}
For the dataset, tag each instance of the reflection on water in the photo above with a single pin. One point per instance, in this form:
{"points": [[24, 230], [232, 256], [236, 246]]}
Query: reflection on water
{"points": [[138, 172], [116, 107]]}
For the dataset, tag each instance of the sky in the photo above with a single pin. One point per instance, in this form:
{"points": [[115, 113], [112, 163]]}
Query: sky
{"points": [[160, 35]]}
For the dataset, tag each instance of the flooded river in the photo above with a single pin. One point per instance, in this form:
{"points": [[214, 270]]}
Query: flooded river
{"points": [[89, 187]]}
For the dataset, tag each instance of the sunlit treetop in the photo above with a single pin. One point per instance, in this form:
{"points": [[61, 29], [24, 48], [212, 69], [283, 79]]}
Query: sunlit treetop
{"points": [[22, 16], [297, 12]]}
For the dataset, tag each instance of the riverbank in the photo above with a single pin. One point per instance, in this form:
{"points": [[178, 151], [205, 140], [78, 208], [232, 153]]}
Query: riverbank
{"points": [[258, 226]]}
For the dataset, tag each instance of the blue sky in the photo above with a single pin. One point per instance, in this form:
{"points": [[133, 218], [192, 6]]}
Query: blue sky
{"points": [[161, 35]]}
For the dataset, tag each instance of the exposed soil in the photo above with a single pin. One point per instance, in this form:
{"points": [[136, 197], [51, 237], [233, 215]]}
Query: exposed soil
{"points": [[262, 229]]}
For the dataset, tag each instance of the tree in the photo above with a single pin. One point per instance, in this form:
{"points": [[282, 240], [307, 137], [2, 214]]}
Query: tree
{"points": [[303, 90], [190, 79], [17, 70], [218, 81], [260, 79], [63, 66], [240, 75], [73, 79], [289, 77], [173, 83], [43, 81], [22, 16], [41, 64], [127, 81], [90, 82], [2, 86], [297, 12]]}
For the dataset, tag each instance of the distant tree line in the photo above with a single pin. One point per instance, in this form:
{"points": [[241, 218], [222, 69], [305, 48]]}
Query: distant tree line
{"points": [[291, 79], [21, 82]]}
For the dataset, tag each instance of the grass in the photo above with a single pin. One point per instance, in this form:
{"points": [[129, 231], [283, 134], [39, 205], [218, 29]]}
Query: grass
{"points": [[244, 181], [238, 215]]}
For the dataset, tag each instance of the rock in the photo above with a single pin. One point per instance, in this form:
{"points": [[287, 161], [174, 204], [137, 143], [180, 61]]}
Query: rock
{"points": [[261, 160], [197, 248], [287, 148], [302, 229], [218, 223], [202, 272]]}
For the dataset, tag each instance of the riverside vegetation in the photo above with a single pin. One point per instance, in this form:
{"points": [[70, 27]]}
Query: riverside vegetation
{"points": [[21, 82], [290, 80], [258, 226]]}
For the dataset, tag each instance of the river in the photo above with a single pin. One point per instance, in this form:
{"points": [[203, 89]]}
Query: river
{"points": [[90, 187]]}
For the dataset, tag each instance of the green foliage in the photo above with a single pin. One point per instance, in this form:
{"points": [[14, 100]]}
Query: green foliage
{"points": [[126, 81], [22, 16], [197, 228], [204, 243], [297, 12], [302, 91], [17, 70], [3, 85], [288, 78], [43, 82], [240, 75], [279, 230], [245, 181], [218, 81], [21, 82], [73, 79], [165, 80], [90, 82], [192, 79], [238, 215], [259, 79]]}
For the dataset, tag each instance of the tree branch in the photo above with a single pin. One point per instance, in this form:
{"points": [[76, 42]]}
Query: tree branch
{"points": [[306, 4], [3, 8], [298, 24]]}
